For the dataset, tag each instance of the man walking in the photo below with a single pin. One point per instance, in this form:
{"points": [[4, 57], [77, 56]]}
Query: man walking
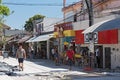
{"points": [[21, 55]]}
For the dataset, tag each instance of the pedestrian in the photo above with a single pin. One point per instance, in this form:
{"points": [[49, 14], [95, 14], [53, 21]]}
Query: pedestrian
{"points": [[53, 52], [20, 55], [97, 55], [56, 57], [70, 56]]}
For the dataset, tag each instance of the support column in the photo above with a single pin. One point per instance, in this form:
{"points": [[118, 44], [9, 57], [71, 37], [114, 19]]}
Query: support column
{"points": [[48, 49], [103, 57], [61, 45]]}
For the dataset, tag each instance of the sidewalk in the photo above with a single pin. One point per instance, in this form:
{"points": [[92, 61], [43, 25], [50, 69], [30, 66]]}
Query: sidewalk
{"points": [[38, 65], [47, 67]]}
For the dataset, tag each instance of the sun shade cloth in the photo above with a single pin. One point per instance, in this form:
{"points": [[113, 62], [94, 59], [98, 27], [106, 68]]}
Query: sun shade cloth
{"points": [[104, 25], [31, 39], [43, 38]]}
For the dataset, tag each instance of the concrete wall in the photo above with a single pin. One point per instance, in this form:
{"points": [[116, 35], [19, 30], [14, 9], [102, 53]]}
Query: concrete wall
{"points": [[85, 24], [115, 53], [69, 16], [48, 23]]}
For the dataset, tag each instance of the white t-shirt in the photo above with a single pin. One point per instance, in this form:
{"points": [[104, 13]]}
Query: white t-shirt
{"points": [[20, 53], [53, 51], [97, 52]]}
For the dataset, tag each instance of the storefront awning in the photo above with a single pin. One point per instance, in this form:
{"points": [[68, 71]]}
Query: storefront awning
{"points": [[104, 25], [31, 39], [43, 38], [24, 39], [9, 38]]}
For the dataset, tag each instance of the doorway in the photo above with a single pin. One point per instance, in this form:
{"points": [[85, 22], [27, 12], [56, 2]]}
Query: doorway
{"points": [[100, 55], [107, 57]]}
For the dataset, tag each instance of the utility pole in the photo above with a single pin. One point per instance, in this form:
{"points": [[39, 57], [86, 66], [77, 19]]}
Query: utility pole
{"points": [[89, 6], [64, 4], [90, 11]]}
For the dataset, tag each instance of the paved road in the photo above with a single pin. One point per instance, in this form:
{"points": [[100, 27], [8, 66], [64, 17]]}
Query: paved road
{"points": [[46, 70], [100, 78]]}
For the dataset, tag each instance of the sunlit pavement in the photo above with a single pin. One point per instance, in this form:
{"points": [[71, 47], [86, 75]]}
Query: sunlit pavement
{"points": [[100, 78], [46, 70], [38, 66]]}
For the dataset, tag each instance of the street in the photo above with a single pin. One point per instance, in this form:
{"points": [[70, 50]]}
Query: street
{"points": [[101, 78], [46, 70]]}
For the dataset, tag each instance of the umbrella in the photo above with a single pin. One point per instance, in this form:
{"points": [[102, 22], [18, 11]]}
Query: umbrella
{"points": [[104, 25]]}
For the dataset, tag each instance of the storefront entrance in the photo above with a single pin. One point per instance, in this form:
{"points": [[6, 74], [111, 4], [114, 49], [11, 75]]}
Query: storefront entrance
{"points": [[99, 63], [107, 57]]}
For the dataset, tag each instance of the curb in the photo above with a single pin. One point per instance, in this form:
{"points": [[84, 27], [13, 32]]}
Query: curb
{"points": [[111, 74]]}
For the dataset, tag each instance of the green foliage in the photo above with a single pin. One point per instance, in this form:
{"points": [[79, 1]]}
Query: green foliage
{"points": [[4, 10], [0, 1], [29, 24]]}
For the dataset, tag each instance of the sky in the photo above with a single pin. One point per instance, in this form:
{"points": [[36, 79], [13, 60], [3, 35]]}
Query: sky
{"points": [[22, 13]]}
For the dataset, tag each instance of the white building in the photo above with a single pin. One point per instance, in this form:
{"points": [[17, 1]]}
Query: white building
{"points": [[43, 33]]}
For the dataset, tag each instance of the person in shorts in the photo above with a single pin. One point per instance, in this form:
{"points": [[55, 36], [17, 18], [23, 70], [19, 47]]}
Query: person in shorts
{"points": [[56, 57], [20, 55], [70, 56]]}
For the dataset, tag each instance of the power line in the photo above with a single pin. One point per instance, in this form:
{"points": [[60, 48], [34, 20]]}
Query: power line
{"points": [[35, 4], [80, 13], [48, 4]]}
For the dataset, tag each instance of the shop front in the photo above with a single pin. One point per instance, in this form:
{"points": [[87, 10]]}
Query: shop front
{"points": [[106, 41], [109, 42], [64, 35], [41, 45]]}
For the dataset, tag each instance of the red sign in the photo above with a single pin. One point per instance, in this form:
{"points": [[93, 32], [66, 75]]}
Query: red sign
{"points": [[108, 37], [65, 26], [79, 38]]}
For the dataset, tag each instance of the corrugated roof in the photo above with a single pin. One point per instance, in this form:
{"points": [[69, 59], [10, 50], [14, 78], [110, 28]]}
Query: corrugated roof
{"points": [[25, 38], [4, 26]]}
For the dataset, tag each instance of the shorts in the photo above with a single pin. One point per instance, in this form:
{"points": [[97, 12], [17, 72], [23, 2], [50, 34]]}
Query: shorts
{"points": [[70, 62], [55, 55], [20, 60]]}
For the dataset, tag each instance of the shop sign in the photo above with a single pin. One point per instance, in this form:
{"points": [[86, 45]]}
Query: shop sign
{"points": [[91, 46], [65, 26], [91, 36], [60, 28]]}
